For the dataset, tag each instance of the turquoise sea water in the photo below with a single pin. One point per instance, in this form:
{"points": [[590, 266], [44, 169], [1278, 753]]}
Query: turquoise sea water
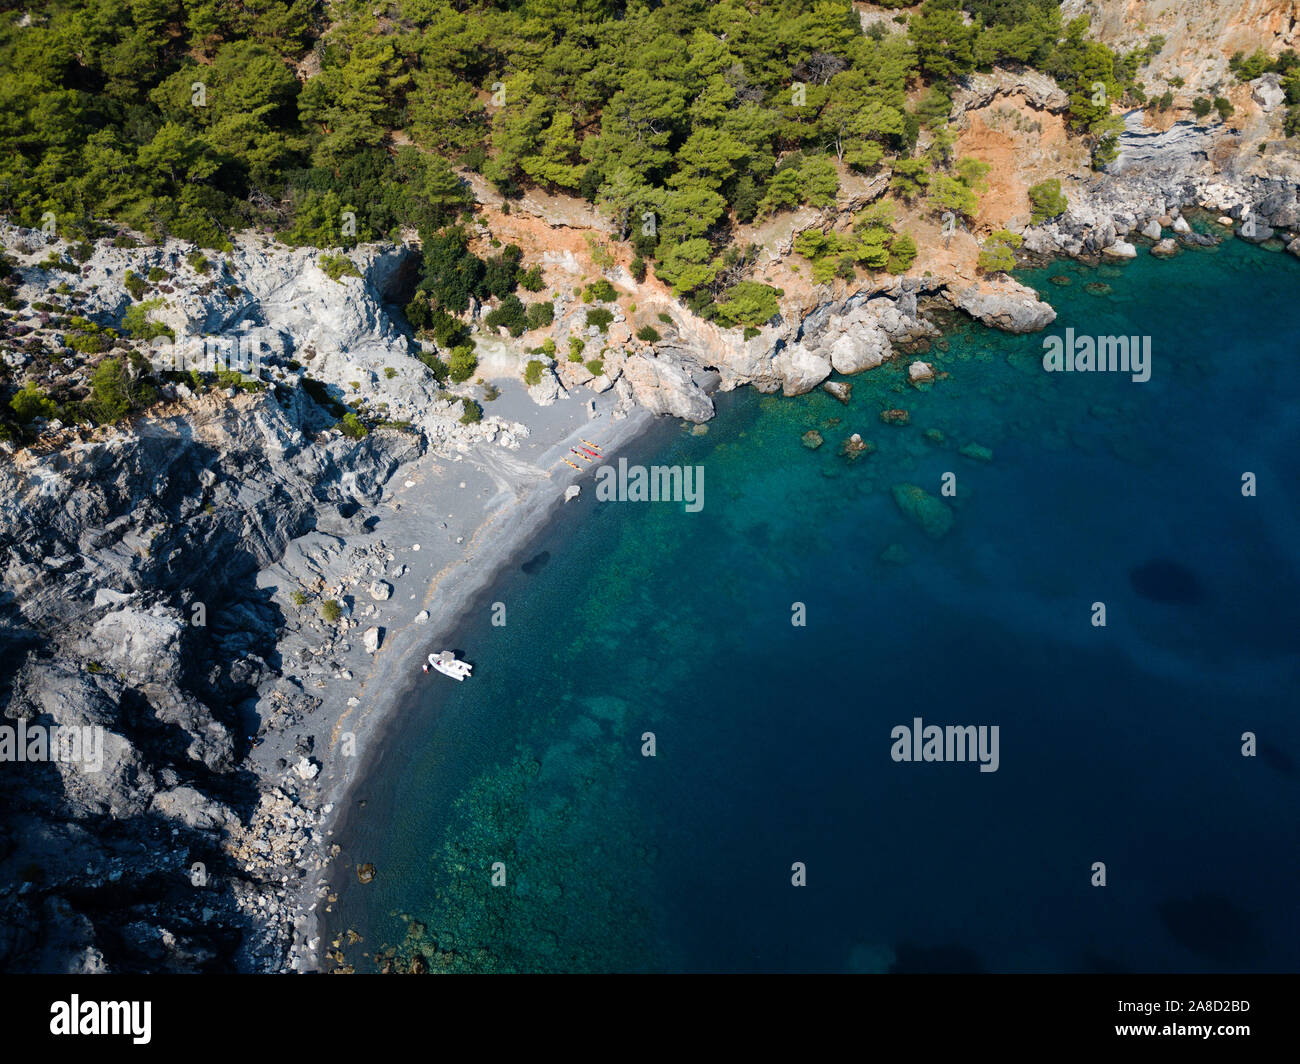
{"points": [[1118, 744]]}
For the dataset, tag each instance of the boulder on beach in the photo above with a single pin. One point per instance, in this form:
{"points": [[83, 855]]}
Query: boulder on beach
{"points": [[422, 617], [1180, 225], [307, 769], [1165, 248], [1152, 230], [921, 508], [371, 639], [381, 590], [572, 492], [1120, 251]]}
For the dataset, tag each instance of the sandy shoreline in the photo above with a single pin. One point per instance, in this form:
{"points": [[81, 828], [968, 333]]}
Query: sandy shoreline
{"points": [[448, 526]]}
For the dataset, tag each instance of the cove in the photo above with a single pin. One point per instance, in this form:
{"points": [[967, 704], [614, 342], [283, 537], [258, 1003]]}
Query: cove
{"points": [[1118, 744]]}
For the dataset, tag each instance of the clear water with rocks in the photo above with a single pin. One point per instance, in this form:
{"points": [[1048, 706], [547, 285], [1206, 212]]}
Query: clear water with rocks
{"points": [[1119, 744]]}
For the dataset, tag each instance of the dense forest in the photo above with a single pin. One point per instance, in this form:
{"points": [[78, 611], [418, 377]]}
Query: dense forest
{"points": [[339, 123], [198, 118]]}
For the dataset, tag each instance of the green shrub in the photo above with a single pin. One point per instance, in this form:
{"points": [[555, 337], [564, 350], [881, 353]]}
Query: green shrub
{"points": [[135, 284], [338, 266], [596, 366], [1047, 201], [601, 318], [748, 303], [510, 315], [666, 318], [531, 279], [437, 365], [1202, 106], [331, 611], [996, 255], [533, 373], [30, 403], [638, 269], [649, 334], [389, 372], [902, 253], [472, 411], [158, 274], [353, 426], [136, 323], [110, 392], [539, 315], [601, 291], [462, 364], [1224, 106], [88, 342], [300, 597]]}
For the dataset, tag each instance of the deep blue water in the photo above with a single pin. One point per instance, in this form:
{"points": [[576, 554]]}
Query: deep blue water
{"points": [[1119, 744]]}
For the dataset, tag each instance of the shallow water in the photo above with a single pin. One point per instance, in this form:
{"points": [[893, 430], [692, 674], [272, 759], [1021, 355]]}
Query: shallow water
{"points": [[1119, 744]]}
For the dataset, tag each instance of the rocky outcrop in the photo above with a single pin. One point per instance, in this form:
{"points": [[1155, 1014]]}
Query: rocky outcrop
{"points": [[666, 387], [1267, 91], [1005, 304], [1183, 147], [131, 606], [1038, 90]]}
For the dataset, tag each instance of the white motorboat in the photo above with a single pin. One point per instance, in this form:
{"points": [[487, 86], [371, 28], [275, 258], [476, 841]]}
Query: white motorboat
{"points": [[447, 664]]}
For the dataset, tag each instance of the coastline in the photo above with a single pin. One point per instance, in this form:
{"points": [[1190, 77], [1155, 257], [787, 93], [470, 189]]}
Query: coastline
{"points": [[497, 537], [502, 538]]}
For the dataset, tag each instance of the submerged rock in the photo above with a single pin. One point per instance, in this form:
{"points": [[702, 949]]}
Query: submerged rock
{"points": [[855, 447], [895, 554], [365, 873], [921, 508], [842, 390], [977, 452], [919, 372], [1060, 280], [1165, 248], [895, 417], [812, 439]]}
